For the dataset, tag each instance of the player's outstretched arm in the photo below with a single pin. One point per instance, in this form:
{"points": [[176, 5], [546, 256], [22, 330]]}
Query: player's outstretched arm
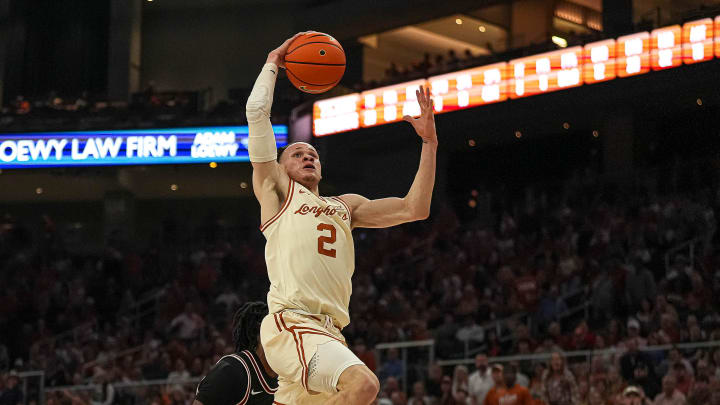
{"points": [[270, 182], [415, 205]]}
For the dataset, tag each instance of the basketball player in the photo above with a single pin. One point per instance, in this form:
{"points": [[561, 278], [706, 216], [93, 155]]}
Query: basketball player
{"points": [[310, 256], [244, 377]]}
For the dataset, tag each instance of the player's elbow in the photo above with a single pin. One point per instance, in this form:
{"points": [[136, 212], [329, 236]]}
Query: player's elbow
{"points": [[420, 214], [254, 111]]}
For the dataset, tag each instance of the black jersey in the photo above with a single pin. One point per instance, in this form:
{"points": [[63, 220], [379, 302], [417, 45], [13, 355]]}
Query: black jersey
{"points": [[237, 379]]}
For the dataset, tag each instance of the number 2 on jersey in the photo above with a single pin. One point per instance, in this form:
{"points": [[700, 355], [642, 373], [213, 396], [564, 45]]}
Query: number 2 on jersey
{"points": [[322, 239]]}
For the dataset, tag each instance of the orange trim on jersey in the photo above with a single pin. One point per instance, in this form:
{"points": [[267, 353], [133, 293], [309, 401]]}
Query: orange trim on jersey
{"points": [[277, 323], [310, 331], [347, 207], [278, 403], [286, 204], [282, 321]]}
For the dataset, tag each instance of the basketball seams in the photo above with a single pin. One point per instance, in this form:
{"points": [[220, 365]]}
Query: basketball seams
{"points": [[313, 63], [313, 42]]}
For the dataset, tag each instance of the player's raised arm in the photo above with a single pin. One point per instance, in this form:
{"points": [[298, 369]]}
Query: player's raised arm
{"points": [[415, 205], [261, 140]]}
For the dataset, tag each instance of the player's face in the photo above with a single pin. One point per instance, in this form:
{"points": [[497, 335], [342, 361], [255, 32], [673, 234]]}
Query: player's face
{"points": [[302, 163]]}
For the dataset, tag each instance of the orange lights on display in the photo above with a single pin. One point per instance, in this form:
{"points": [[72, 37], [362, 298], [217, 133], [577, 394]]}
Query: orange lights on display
{"points": [[389, 104], [599, 61], [717, 36], [633, 54], [666, 47], [469, 88], [336, 114], [697, 41], [545, 72], [629, 55]]}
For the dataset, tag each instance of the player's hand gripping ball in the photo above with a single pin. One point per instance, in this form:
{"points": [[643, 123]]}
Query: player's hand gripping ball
{"points": [[315, 62]]}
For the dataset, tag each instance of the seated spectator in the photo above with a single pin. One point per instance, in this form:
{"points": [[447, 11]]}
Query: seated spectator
{"points": [[631, 359], [684, 381], [188, 323], [558, 383], [633, 395], [513, 394], [496, 392], [419, 396], [480, 381], [669, 395]]}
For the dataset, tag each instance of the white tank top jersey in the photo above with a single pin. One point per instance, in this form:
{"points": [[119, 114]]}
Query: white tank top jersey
{"points": [[310, 255]]}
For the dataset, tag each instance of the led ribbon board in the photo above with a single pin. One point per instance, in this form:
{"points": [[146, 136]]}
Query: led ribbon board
{"points": [[629, 55], [129, 147]]}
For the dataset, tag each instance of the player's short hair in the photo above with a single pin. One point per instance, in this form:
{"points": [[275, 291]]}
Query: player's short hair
{"points": [[246, 325], [280, 152]]}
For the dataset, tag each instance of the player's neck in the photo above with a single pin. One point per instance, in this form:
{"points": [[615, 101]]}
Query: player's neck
{"points": [[261, 355], [313, 187]]}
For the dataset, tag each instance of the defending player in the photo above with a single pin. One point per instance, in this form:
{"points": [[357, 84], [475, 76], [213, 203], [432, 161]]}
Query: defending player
{"points": [[244, 377], [310, 256]]}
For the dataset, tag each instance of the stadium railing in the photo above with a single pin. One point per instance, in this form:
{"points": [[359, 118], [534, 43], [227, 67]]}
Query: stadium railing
{"points": [[132, 392], [587, 354]]}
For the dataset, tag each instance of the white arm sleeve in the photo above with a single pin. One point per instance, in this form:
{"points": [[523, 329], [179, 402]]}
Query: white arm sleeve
{"points": [[261, 140]]}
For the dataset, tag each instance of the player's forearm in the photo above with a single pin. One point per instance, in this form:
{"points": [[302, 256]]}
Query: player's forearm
{"points": [[420, 195], [261, 139]]}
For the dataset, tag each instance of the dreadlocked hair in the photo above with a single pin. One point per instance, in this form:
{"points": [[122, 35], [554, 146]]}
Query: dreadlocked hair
{"points": [[246, 325]]}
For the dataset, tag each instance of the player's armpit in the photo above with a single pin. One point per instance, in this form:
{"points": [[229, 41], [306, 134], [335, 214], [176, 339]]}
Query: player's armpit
{"points": [[380, 213], [196, 402]]}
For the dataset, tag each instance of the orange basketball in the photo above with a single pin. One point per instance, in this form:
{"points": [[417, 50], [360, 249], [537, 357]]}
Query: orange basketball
{"points": [[315, 62]]}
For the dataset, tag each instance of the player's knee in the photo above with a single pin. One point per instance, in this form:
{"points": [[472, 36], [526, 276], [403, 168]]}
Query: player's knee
{"points": [[369, 387]]}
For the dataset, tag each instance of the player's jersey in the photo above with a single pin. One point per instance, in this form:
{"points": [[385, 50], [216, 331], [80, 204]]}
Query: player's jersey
{"points": [[310, 255], [237, 379]]}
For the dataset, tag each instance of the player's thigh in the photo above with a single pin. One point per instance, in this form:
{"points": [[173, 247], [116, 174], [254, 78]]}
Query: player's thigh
{"points": [[280, 347], [331, 358], [357, 376]]}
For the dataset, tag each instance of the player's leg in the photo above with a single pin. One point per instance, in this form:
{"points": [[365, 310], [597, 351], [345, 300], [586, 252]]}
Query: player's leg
{"points": [[357, 385]]}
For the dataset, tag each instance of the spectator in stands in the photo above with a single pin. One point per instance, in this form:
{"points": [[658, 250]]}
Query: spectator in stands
{"points": [[434, 381], [551, 305], [493, 396], [104, 392], [419, 396], [392, 367], [11, 395], [633, 395], [644, 377], [367, 357], [639, 286], [513, 394], [188, 323], [700, 392], [669, 395], [631, 359], [180, 372], [480, 381], [460, 380], [228, 299], [673, 358], [559, 386], [398, 398], [446, 396], [633, 332], [684, 381]]}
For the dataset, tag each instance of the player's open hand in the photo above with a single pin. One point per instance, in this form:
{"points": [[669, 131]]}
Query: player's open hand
{"points": [[277, 55], [425, 124]]}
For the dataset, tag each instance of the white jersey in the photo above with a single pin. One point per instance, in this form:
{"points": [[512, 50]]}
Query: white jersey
{"points": [[310, 255]]}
